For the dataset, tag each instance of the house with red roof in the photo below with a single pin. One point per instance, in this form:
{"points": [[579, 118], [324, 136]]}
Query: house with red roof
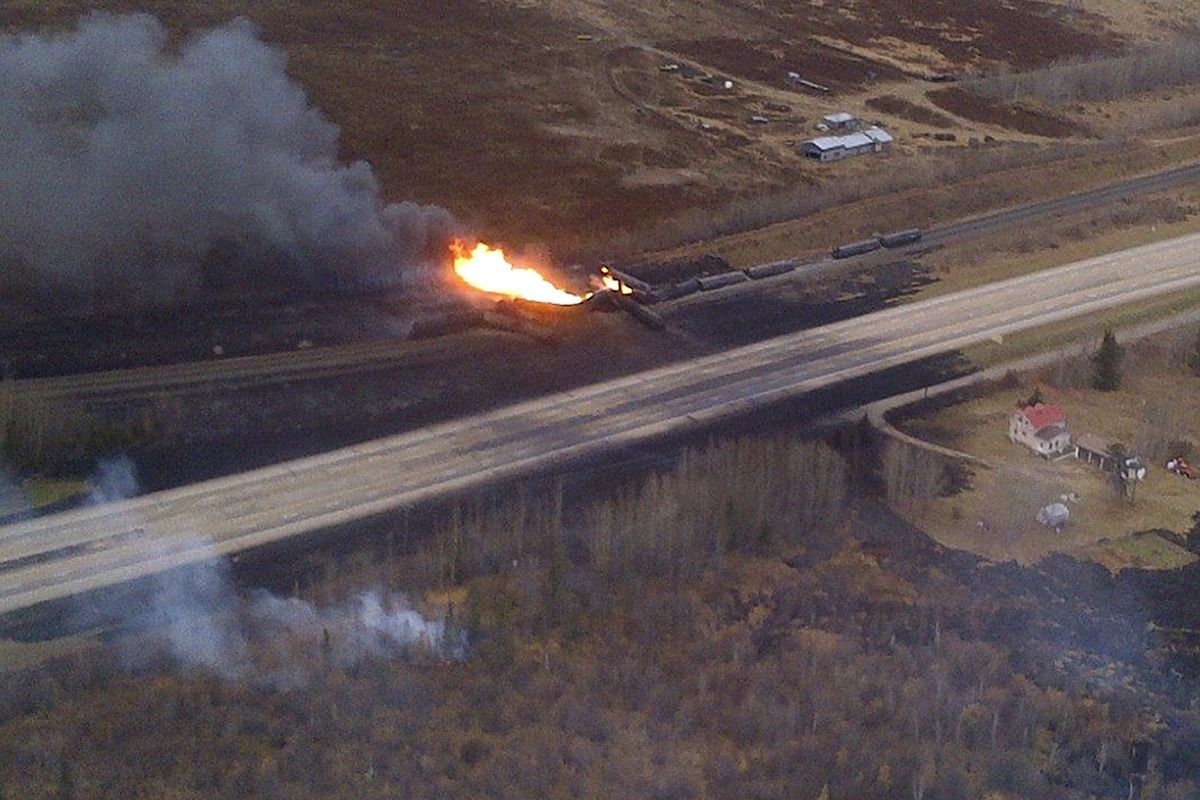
{"points": [[1042, 428]]}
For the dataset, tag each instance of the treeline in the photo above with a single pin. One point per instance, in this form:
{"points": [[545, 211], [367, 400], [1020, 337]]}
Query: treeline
{"points": [[1167, 64], [745, 624], [41, 435], [730, 496]]}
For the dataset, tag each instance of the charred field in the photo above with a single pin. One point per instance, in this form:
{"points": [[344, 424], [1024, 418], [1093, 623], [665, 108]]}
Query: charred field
{"points": [[677, 621], [551, 127]]}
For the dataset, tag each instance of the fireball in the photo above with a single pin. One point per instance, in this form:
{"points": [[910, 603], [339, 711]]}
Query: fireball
{"points": [[487, 269]]}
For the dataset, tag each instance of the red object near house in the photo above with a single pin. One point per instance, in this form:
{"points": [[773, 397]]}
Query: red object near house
{"points": [[1181, 467]]}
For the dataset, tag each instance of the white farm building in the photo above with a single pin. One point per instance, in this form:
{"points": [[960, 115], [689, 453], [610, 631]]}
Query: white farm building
{"points": [[1042, 428], [834, 148]]}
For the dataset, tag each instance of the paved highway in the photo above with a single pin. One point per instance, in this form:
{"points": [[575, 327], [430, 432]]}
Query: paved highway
{"points": [[57, 556]]}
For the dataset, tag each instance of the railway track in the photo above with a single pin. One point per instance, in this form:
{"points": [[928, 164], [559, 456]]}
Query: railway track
{"points": [[1157, 182], [823, 267], [55, 557], [283, 367], [232, 373]]}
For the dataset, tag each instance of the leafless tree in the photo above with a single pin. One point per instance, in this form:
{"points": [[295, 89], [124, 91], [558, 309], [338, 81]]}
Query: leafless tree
{"points": [[1100, 78], [913, 476]]}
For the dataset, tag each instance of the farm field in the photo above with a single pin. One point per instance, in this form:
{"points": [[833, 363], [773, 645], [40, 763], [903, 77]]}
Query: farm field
{"points": [[553, 125]]}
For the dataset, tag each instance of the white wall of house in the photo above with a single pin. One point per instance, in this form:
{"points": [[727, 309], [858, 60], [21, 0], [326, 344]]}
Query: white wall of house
{"points": [[1058, 444], [1021, 431]]}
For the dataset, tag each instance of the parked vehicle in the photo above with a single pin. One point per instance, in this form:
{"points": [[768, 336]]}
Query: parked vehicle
{"points": [[1181, 467]]}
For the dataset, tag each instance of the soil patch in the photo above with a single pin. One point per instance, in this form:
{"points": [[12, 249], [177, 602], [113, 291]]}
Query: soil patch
{"points": [[770, 60], [1020, 33], [1016, 116], [899, 107]]}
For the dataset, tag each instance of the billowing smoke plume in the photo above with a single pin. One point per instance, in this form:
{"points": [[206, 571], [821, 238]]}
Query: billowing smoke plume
{"points": [[130, 170]]}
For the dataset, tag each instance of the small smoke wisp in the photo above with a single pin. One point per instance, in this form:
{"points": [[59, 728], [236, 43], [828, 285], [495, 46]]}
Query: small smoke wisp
{"points": [[114, 478], [152, 173], [195, 617], [374, 623]]}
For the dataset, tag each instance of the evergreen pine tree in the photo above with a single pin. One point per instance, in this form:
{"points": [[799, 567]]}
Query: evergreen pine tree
{"points": [[1106, 375]]}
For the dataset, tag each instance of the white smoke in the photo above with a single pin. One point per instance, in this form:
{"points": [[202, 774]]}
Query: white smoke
{"points": [[374, 623], [135, 170], [198, 620], [114, 478], [190, 616]]}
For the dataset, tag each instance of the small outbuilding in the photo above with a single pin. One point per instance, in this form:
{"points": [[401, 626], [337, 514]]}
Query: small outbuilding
{"points": [[883, 140], [842, 121], [1094, 450], [1098, 451]]}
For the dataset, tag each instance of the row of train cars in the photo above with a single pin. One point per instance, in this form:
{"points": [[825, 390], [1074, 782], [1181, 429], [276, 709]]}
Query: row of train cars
{"points": [[651, 294], [520, 316]]}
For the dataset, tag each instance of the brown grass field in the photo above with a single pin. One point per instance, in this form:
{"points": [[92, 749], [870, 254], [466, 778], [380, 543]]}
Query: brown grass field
{"points": [[551, 123]]}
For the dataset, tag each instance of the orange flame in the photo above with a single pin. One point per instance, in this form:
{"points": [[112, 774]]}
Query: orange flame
{"points": [[488, 270], [612, 284]]}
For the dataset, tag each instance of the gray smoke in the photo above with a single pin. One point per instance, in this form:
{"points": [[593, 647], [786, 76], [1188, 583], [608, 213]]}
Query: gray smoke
{"points": [[196, 619], [193, 617], [128, 168], [114, 478]]}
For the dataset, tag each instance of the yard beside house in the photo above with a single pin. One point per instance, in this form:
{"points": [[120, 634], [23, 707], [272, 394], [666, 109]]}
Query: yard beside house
{"points": [[996, 516]]}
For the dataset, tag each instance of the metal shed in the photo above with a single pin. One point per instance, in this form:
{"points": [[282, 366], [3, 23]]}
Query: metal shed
{"points": [[883, 140], [833, 148], [842, 121]]}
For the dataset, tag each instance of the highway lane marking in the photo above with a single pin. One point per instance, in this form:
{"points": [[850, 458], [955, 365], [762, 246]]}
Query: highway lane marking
{"points": [[296, 472], [336, 465]]}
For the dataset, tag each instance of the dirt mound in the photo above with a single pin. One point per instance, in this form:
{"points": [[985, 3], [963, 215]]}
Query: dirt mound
{"points": [[1015, 116], [899, 107]]}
